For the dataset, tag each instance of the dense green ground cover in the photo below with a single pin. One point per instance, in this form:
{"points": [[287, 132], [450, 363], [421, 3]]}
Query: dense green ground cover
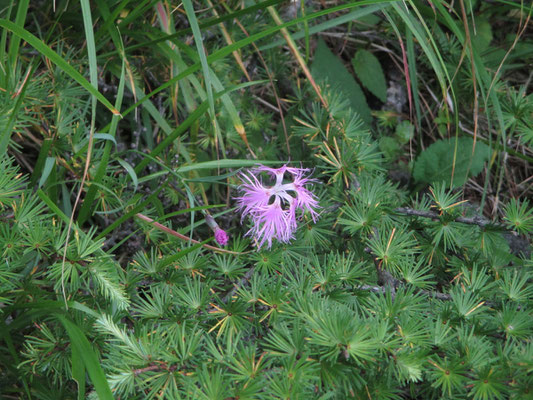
{"points": [[128, 127]]}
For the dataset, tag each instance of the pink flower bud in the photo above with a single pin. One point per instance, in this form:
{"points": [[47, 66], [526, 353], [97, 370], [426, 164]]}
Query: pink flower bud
{"points": [[221, 237]]}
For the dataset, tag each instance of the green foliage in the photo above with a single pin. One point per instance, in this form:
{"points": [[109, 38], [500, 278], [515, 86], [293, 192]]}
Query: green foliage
{"points": [[451, 162], [519, 216], [11, 183], [369, 71], [327, 66], [122, 142]]}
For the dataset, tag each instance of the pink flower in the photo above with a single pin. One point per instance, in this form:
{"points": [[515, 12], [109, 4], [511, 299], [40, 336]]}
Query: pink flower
{"points": [[274, 209]]}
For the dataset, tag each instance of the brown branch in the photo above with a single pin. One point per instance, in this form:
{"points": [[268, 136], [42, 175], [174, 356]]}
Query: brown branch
{"points": [[236, 286], [478, 220], [385, 278], [382, 290], [146, 369], [155, 366], [438, 295]]}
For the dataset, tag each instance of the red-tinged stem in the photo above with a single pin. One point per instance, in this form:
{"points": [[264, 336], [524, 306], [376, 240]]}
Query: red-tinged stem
{"points": [[183, 237]]}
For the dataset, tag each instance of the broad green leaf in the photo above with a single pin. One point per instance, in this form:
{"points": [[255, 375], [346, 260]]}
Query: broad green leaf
{"points": [[389, 147], [404, 132], [327, 66], [482, 34], [436, 163], [369, 71]]}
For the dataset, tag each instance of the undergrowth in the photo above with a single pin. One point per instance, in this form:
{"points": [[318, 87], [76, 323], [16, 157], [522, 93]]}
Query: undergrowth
{"points": [[401, 267]]}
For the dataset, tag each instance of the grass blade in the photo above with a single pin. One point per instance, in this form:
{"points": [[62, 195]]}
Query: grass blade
{"points": [[191, 16], [90, 359], [332, 23], [47, 52], [202, 108], [48, 165], [130, 171], [5, 136], [78, 371], [39, 164], [237, 45], [20, 19], [102, 166]]}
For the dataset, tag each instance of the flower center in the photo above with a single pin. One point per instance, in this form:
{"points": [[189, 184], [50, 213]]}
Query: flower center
{"points": [[280, 192]]}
